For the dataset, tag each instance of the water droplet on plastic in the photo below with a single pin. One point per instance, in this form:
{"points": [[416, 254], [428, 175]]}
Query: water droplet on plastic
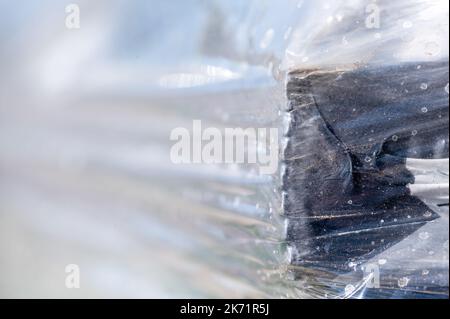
{"points": [[382, 261]]}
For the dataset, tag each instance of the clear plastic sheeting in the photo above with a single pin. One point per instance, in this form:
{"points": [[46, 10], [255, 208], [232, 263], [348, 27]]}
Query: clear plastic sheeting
{"points": [[366, 160], [369, 199], [358, 91]]}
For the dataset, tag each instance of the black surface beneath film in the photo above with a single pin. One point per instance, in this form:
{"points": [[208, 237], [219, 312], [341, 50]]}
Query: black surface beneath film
{"points": [[345, 179]]}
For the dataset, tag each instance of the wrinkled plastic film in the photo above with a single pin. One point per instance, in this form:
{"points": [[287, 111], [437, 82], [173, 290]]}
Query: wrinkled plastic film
{"points": [[358, 207]]}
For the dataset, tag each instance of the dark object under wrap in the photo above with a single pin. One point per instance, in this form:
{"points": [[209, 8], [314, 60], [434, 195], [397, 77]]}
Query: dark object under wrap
{"points": [[345, 181]]}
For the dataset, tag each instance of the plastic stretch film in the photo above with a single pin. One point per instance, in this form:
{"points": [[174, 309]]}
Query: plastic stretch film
{"points": [[357, 206]]}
